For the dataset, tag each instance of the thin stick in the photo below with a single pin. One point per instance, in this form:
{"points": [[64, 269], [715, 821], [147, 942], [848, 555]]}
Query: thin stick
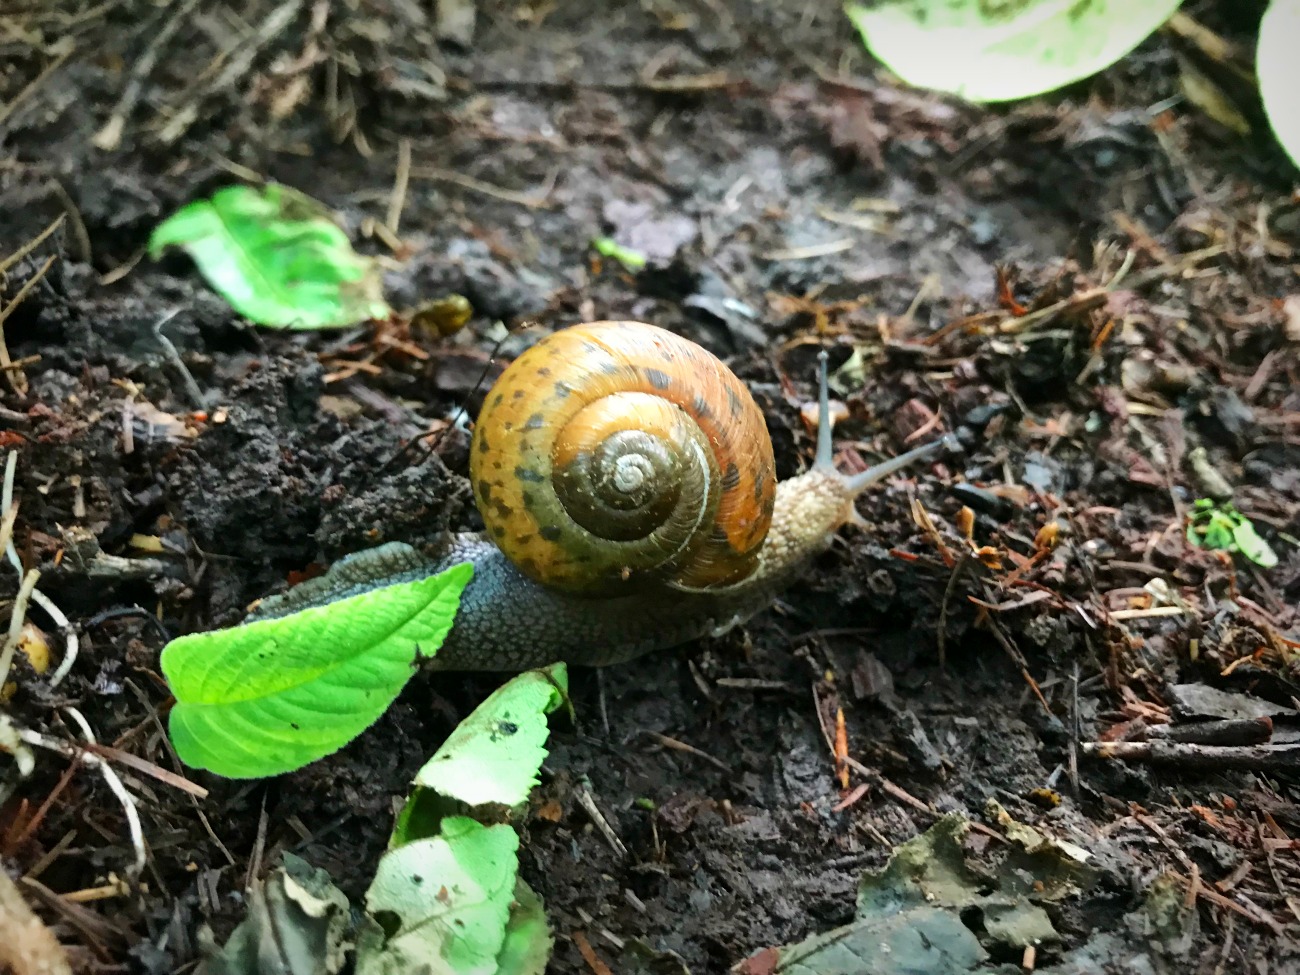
{"points": [[119, 789], [17, 380], [174, 357], [16, 620], [1254, 758], [533, 202], [31, 245], [36, 82], [110, 136], [397, 202]]}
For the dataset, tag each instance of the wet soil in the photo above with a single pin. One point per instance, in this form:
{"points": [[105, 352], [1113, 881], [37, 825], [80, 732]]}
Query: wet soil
{"points": [[789, 196]]}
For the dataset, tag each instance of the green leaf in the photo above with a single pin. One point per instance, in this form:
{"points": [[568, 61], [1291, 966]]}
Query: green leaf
{"points": [[270, 696], [442, 904], [1249, 544], [528, 942], [1221, 527], [494, 755], [1279, 73], [277, 257], [998, 50], [491, 759]]}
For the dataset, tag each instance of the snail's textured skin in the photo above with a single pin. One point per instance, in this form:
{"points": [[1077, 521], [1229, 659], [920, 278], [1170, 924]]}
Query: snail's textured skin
{"points": [[508, 620]]}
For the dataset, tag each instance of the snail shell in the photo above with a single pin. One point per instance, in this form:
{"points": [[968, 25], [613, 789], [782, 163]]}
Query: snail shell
{"points": [[613, 452]]}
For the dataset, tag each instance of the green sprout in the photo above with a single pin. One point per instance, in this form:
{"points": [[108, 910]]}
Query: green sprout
{"points": [[1219, 526], [608, 247]]}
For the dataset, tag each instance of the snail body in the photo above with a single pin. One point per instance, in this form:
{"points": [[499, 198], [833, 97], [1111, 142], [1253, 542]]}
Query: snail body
{"points": [[626, 481]]}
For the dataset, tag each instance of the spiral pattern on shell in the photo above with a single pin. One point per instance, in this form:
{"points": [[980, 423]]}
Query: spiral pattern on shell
{"points": [[614, 451]]}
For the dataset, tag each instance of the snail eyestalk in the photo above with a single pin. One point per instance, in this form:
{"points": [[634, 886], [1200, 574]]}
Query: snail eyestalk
{"points": [[825, 459], [860, 482]]}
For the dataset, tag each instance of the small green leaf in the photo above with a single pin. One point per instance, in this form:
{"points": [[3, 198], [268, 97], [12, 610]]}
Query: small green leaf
{"points": [[277, 257], [608, 247], [494, 755], [270, 696], [1279, 73], [1252, 546], [491, 759], [442, 904], [528, 942], [998, 51]]}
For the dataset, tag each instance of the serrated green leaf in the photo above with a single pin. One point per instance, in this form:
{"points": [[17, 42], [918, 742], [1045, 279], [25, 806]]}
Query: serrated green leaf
{"points": [[273, 695], [491, 759], [442, 903], [528, 942], [998, 51], [1278, 69], [276, 256], [494, 755]]}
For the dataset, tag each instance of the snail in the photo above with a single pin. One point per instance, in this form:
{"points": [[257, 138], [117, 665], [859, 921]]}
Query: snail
{"points": [[626, 480]]}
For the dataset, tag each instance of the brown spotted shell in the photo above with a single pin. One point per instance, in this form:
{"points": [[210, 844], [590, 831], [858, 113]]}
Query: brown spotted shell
{"points": [[616, 451]]}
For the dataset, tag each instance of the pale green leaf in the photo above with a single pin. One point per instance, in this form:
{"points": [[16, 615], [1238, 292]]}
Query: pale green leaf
{"points": [[277, 257], [442, 903], [1279, 72], [494, 755], [1220, 526], [999, 50], [272, 695], [491, 759], [528, 942]]}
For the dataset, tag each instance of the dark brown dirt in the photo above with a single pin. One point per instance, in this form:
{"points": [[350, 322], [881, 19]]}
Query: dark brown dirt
{"points": [[553, 128]]}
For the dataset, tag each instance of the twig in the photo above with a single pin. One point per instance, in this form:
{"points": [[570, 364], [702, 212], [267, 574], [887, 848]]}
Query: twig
{"points": [[1247, 908], [681, 746], [1228, 731], [31, 245], [146, 767], [954, 577], [397, 202], [882, 783], [35, 83], [588, 803], [16, 620], [28, 947], [110, 136], [110, 776], [16, 378], [79, 233], [174, 357], [1255, 758], [537, 201]]}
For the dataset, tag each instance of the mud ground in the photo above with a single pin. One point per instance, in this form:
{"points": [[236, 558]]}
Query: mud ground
{"points": [[789, 196]]}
